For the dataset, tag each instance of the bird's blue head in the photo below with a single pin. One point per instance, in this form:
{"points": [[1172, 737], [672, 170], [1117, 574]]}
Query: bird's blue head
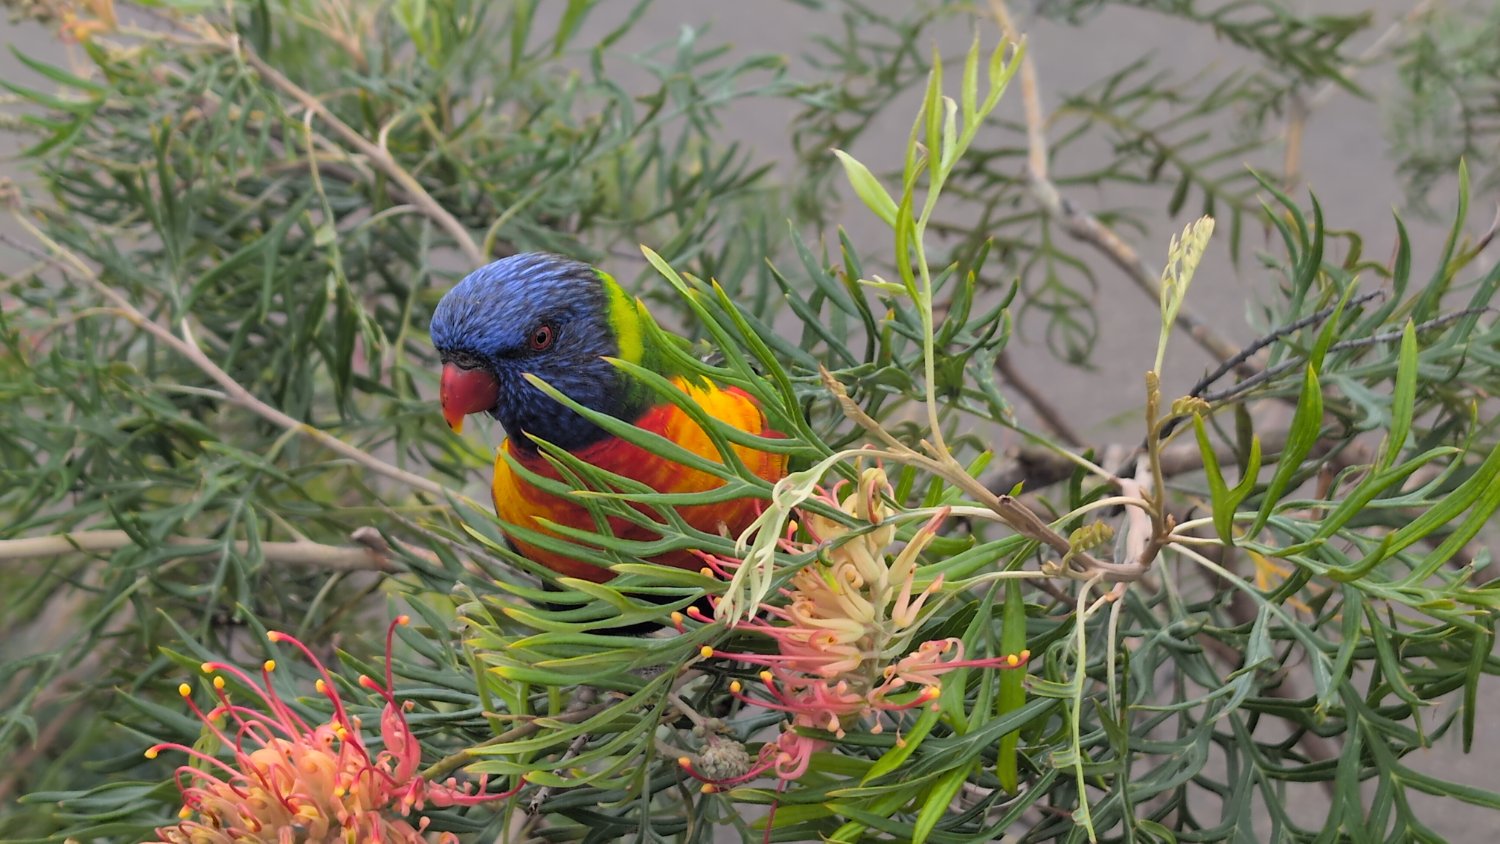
{"points": [[548, 316]]}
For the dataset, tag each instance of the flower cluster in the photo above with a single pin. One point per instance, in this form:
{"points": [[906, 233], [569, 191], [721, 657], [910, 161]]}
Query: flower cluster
{"points": [[844, 633], [76, 20], [290, 781]]}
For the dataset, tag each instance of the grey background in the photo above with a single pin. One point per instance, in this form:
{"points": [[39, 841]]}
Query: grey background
{"points": [[1345, 162]]}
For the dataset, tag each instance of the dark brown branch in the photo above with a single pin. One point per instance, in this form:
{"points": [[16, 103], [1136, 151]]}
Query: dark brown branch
{"points": [[1037, 467], [1263, 376], [1261, 342]]}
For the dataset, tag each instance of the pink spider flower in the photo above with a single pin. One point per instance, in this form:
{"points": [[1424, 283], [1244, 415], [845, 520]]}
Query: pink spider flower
{"points": [[844, 633], [291, 781]]}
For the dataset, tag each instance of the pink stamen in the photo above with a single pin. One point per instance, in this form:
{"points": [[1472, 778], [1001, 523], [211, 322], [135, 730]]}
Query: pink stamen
{"points": [[286, 776]]}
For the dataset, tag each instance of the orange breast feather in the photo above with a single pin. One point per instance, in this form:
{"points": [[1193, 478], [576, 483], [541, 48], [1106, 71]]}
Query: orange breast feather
{"points": [[519, 502]]}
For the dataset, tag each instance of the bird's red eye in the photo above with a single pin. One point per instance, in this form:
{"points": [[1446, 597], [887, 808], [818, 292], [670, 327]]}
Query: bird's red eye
{"points": [[542, 337]]}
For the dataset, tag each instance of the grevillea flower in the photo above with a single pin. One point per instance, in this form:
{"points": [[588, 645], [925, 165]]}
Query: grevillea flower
{"points": [[290, 781], [844, 633]]}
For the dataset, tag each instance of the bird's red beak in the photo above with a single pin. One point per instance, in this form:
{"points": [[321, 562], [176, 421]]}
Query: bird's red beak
{"points": [[464, 391]]}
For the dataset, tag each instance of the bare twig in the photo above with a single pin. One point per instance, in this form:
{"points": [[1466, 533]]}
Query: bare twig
{"points": [[1256, 345], [361, 557], [1014, 513], [1259, 378], [377, 154], [1261, 342], [1037, 467], [1082, 225], [540, 796], [583, 699], [234, 392]]}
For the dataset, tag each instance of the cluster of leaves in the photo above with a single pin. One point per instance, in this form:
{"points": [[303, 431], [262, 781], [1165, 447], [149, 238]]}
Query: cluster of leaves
{"points": [[191, 184], [1306, 599], [1449, 104], [1185, 130]]}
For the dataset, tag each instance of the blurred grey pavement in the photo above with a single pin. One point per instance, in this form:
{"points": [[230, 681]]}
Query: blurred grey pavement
{"points": [[1345, 162]]}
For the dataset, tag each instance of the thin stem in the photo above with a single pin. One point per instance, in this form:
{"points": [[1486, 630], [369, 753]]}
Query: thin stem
{"points": [[929, 341], [1284, 367], [1015, 514], [994, 576], [1261, 342], [691, 714], [1153, 452], [449, 764], [377, 154], [1112, 501], [234, 392], [1075, 728], [301, 553]]}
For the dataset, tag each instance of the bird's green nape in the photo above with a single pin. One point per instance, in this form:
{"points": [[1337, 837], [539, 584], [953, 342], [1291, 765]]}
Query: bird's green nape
{"points": [[624, 314], [639, 337]]}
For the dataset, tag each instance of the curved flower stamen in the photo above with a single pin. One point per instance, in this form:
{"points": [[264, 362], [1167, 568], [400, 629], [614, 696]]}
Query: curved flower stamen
{"points": [[847, 615], [289, 781]]}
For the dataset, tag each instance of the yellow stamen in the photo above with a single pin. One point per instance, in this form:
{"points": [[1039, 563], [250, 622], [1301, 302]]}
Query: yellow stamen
{"points": [[274, 636], [1025, 654], [1012, 660], [736, 687], [706, 652], [677, 618], [766, 677], [219, 683], [184, 813], [403, 620], [185, 690], [151, 753], [269, 665], [321, 686], [685, 762], [208, 667], [709, 788], [706, 571]]}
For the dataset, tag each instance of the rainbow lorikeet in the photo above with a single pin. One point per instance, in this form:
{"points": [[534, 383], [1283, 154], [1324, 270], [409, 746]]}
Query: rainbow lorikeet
{"points": [[558, 319]]}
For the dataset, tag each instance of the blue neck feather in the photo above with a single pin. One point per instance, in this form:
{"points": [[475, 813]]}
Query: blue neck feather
{"points": [[488, 321]]}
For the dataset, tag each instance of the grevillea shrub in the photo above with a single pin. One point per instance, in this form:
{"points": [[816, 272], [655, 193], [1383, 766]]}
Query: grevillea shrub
{"points": [[965, 615]]}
